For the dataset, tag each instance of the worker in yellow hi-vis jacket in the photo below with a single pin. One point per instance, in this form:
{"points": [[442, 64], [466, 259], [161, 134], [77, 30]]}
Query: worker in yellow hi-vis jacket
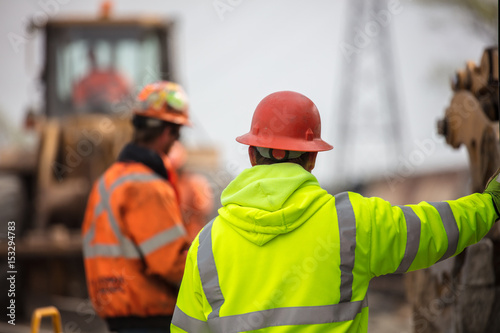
{"points": [[285, 256]]}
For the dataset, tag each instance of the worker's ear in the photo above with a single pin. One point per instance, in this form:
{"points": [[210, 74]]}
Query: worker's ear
{"points": [[252, 153], [174, 131], [311, 161], [165, 136]]}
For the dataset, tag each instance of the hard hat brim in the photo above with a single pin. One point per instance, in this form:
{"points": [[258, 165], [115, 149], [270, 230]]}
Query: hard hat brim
{"points": [[277, 142], [180, 119]]}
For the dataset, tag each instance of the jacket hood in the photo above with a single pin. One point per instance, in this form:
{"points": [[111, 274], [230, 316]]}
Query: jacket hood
{"points": [[268, 200]]}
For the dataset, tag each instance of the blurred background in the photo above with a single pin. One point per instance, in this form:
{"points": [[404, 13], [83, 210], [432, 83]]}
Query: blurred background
{"points": [[229, 57], [378, 71]]}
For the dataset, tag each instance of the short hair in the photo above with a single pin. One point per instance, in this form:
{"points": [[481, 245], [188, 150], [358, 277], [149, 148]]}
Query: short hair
{"points": [[147, 129], [260, 159]]}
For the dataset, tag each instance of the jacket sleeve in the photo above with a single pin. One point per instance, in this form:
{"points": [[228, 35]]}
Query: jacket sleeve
{"points": [[189, 315], [411, 237], [153, 222]]}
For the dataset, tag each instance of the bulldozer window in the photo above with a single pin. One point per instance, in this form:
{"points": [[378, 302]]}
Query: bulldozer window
{"points": [[96, 72]]}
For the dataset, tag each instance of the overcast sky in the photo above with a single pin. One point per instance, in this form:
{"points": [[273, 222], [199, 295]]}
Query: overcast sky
{"points": [[232, 53]]}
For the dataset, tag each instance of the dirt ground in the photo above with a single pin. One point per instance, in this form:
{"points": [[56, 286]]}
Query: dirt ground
{"points": [[389, 310]]}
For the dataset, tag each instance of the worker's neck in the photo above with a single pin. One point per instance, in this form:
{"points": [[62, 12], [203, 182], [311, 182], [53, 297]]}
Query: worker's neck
{"points": [[154, 146]]}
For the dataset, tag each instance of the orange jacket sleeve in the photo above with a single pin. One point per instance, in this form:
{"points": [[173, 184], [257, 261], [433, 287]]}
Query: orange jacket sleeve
{"points": [[152, 220]]}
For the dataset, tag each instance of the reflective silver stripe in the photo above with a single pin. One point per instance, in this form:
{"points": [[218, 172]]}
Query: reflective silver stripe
{"points": [[303, 315], [306, 315], [347, 234], [129, 249], [135, 177], [208, 271], [104, 251], [126, 248], [450, 225], [189, 324], [105, 199], [87, 240], [161, 239], [98, 209], [413, 226]]}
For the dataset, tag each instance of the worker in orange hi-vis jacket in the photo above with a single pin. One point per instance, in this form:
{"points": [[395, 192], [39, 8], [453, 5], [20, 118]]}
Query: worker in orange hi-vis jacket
{"points": [[195, 192], [134, 241]]}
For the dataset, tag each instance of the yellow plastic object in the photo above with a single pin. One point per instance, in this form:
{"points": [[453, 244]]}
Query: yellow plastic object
{"points": [[49, 311]]}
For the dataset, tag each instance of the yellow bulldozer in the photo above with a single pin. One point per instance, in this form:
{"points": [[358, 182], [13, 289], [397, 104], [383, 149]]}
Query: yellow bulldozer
{"points": [[93, 67]]}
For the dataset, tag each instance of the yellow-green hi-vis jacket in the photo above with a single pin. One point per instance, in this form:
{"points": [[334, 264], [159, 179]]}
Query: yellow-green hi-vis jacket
{"points": [[285, 256]]}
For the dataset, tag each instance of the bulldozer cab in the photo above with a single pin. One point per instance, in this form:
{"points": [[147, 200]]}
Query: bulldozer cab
{"points": [[94, 65]]}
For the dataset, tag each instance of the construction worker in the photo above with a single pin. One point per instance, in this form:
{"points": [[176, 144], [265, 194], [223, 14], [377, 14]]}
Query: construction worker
{"points": [[195, 193], [285, 256], [134, 241], [100, 88]]}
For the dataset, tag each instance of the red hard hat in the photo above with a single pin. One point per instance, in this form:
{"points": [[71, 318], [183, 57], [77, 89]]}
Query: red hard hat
{"points": [[286, 120]]}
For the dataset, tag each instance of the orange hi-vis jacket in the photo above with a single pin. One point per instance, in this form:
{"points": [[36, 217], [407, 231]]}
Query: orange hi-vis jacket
{"points": [[134, 243], [196, 200]]}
